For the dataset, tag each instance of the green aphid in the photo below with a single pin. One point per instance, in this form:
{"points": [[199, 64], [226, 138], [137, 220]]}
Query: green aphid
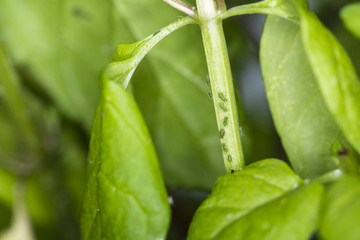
{"points": [[223, 107], [226, 121], [222, 96], [222, 133]]}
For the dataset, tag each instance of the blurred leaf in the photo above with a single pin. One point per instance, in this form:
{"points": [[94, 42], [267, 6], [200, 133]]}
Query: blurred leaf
{"points": [[341, 210], [5, 217], [72, 168], [252, 204], [7, 182], [335, 74], [40, 199], [350, 15], [301, 118], [8, 140], [13, 96], [125, 196], [64, 44]]}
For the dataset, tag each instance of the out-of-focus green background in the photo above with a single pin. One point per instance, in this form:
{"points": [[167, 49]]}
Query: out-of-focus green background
{"points": [[52, 53]]}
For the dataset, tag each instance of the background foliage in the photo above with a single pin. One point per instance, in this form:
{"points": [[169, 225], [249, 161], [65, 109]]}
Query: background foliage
{"points": [[52, 54]]}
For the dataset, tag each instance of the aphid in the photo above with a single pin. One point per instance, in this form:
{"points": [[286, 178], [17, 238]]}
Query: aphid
{"points": [[226, 121], [207, 80], [223, 107], [222, 96], [222, 133], [224, 147]]}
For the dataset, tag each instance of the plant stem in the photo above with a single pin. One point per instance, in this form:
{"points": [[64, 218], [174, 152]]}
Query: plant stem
{"points": [[222, 87]]}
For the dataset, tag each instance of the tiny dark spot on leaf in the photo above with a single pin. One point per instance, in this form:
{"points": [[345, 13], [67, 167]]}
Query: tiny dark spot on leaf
{"points": [[156, 33]]}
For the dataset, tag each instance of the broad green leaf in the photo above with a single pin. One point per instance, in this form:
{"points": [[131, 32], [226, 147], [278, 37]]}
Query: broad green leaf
{"points": [[170, 88], [350, 15], [301, 118], [335, 74], [183, 122], [125, 196], [258, 203], [341, 210]]}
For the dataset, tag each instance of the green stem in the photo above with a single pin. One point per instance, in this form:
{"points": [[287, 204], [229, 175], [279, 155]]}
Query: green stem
{"points": [[221, 82], [284, 9]]}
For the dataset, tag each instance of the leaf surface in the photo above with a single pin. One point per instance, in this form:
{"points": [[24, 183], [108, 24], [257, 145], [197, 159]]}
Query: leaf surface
{"points": [[301, 118], [350, 15], [63, 45], [335, 75], [258, 203], [341, 210], [125, 196]]}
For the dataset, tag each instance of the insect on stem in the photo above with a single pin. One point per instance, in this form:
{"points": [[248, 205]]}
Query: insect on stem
{"points": [[182, 7]]}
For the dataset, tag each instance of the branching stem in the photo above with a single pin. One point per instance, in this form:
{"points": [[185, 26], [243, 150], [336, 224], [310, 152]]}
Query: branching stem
{"points": [[182, 7], [221, 82]]}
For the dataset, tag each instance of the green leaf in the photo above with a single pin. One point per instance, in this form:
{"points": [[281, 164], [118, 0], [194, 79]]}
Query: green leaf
{"points": [[182, 118], [341, 210], [350, 15], [125, 196], [301, 118], [258, 203], [335, 74]]}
